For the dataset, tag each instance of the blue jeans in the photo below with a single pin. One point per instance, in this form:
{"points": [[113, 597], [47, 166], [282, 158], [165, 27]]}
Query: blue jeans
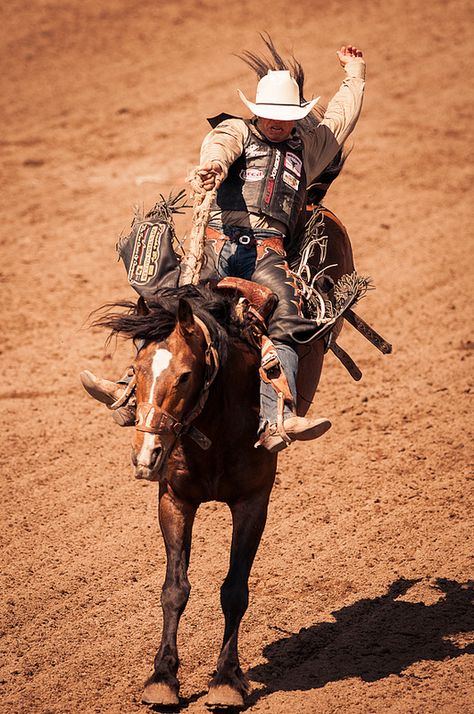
{"points": [[237, 260]]}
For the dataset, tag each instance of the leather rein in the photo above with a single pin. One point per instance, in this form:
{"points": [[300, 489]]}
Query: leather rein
{"points": [[152, 419]]}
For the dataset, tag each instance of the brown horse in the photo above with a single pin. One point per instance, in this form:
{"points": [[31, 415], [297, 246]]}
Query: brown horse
{"points": [[197, 392], [337, 261]]}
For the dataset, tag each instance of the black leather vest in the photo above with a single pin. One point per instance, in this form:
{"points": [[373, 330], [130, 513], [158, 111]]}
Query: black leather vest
{"points": [[267, 178]]}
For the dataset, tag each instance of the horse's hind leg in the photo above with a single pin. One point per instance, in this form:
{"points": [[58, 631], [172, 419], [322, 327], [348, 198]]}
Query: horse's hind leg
{"points": [[176, 521], [229, 685]]}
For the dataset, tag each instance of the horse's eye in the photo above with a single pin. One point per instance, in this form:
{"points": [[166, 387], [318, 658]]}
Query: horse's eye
{"points": [[184, 377]]}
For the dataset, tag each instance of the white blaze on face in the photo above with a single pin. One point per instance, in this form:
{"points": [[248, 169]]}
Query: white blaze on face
{"points": [[161, 361]]}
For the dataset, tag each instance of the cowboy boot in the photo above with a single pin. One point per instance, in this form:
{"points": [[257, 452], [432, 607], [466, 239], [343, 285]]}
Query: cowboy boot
{"points": [[109, 392], [295, 428]]}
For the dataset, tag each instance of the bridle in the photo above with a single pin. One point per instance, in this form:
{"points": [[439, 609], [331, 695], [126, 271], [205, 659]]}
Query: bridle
{"points": [[152, 419]]}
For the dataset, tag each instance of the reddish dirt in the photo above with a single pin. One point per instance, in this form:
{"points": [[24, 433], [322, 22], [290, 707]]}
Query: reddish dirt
{"points": [[359, 594]]}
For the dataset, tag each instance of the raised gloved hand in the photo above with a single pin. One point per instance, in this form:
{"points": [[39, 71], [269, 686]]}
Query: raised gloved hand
{"points": [[348, 53]]}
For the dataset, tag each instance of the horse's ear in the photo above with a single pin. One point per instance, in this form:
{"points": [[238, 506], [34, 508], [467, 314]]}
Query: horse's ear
{"points": [[142, 307], [185, 317]]}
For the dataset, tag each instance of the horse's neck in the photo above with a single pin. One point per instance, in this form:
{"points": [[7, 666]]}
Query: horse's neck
{"points": [[237, 383]]}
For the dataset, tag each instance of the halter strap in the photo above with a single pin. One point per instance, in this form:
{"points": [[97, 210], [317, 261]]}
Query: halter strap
{"points": [[212, 368], [154, 420]]}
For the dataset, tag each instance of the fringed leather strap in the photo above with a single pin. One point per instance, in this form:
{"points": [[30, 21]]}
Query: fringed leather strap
{"points": [[368, 332], [346, 360]]}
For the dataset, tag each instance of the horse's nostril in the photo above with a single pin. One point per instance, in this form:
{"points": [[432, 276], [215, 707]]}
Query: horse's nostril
{"points": [[155, 455]]}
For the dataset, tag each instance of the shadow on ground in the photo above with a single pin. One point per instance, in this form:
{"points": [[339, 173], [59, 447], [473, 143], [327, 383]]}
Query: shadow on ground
{"points": [[371, 639]]}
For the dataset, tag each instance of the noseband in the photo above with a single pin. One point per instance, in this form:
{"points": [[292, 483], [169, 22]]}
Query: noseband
{"points": [[152, 419]]}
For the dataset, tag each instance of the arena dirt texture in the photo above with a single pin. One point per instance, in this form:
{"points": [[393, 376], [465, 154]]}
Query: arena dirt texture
{"points": [[360, 593]]}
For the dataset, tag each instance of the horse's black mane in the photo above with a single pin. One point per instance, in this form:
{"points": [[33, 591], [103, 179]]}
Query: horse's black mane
{"points": [[157, 320]]}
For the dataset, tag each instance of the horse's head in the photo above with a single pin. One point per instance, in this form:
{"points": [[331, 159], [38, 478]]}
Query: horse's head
{"points": [[172, 379]]}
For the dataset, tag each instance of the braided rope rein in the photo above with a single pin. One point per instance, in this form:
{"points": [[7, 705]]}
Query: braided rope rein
{"points": [[202, 202]]}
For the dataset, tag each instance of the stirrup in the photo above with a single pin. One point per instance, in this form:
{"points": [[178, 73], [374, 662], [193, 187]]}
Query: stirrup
{"points": [[280, 425], [123, 399]]}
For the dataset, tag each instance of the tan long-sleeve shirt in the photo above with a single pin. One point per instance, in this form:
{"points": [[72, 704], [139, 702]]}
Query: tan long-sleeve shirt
{"points": [[225, 143]]}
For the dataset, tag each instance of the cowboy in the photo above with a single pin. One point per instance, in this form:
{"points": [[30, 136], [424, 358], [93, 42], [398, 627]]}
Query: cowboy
{"points": [[260, 168]]}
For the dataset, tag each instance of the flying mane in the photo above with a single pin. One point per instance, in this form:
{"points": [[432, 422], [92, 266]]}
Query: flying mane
{"points": [[157, 320]]}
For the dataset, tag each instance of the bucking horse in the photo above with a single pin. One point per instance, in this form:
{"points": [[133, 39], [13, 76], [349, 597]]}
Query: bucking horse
{"points": [[196, 385]]}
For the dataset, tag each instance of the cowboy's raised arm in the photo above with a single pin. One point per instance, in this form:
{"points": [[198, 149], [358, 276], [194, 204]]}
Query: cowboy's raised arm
{"points": [[220, 148], [341, 114], [344, 108]]}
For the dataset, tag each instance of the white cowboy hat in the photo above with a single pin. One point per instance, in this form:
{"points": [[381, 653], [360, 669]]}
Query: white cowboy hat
{"points": [[278, 97]]}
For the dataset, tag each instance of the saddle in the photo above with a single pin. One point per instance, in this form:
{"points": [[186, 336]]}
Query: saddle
{"points": [[255, 304]]}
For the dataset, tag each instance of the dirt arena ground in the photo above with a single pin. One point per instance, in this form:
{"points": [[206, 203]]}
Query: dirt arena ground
{"points": [[360, 594]]}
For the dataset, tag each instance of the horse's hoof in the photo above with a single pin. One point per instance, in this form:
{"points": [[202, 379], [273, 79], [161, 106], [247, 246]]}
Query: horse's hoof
{"points": [[222, 696], [161, 694]]}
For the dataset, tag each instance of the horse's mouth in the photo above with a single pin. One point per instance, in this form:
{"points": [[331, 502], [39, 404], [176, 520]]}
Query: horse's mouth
{"points": [[153, 472], [145, 473]]}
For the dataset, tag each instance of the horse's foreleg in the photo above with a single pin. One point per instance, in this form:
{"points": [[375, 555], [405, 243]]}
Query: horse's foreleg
{"points": [[229, 685], [176, 521]]}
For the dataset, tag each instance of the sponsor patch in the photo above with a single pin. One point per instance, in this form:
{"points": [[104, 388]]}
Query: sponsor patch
{"points": [[254, 150], [271, 181], [290, 180], [293, 163], [269, 191], [252, 174], [276, 164], [146, 251]]}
